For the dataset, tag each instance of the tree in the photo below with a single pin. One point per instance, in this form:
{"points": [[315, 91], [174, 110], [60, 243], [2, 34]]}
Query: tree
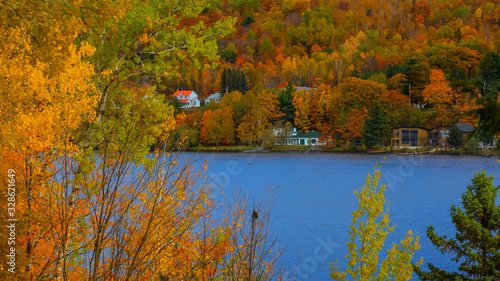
{"points": [[301, 102], [418, 76], [93, 204], [489, 74], [285, 98], [376, 127], [233, 80], [262, 110], [440, 95], [217, 126], [476, 245], [368, 231], [454, 136], [266, 47], [41, 110], [489, 118], [229, 54]]}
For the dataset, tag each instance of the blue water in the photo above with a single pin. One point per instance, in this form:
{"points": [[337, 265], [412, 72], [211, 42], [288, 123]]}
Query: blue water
{"points": [[315, 199]]}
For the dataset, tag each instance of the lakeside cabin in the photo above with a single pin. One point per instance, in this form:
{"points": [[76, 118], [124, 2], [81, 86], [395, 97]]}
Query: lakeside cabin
{"points": [[409, 137], [297, 138]]}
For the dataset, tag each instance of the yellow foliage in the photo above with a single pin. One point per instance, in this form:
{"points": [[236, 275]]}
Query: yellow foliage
{"points": [[368, 231]]}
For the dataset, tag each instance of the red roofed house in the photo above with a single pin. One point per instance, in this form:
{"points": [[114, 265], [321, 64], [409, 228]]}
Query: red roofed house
{"points": [[187, 98]]}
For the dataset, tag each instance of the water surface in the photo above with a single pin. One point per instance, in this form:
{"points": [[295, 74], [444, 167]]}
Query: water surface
{"points": [[315, 198]]}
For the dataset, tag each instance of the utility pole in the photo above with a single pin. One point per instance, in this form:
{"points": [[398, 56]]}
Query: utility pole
{"points": [[409, 91]]}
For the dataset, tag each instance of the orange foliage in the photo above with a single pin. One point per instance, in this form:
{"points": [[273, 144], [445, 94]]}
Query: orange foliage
{"points": [[441, 95]]}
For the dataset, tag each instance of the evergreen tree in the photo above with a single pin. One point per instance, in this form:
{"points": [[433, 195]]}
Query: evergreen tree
{"points": [[376, 127], [489, 119], [489, 74], [394, 69], [406, 83], [285, 99], [244, 83], [233, 80], [454, 136], [223, 81], [477, 240]]}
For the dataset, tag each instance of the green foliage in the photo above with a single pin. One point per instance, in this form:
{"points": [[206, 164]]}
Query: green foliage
{"points": [[228, 55], [489, 74], [379, 77], [462, 12], [476, 245], [489, 118], [233, 80], [285, 99], [249, 19], [454, 136], [251, 34], [418, 77], [266, 47], [445, 32], [368, 231], [176, 104], [376, 127], [394, 69], [241, 4]]}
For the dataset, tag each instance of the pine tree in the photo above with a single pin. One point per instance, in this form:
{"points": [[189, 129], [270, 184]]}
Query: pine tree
{"points": [[454, 136], [477, 240], [285, 98], [489, 74], [244, 83], [224, 81], [376, 127], [233, 80]]}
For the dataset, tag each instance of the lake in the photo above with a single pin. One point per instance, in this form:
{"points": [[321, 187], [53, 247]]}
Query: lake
{"points": [[315, 199]]}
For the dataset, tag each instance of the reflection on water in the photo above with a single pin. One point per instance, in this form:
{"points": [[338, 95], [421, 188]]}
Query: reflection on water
{"points": [[315, 198]]}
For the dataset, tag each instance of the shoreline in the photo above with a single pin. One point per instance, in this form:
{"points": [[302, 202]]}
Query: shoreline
{"points": [[280, 149]]}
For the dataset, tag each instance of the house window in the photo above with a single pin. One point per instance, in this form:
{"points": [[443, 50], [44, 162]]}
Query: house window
{"points": [[414, 137], [302, 142], [442, 134], [313, 141], [405, 137], [397, 134]]}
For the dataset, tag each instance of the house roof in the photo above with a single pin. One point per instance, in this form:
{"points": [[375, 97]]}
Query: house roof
{"points": [[311, 135], [183, 100], [305, 88], [184, 93], [465, 128], [395, 128], [214, 96]]}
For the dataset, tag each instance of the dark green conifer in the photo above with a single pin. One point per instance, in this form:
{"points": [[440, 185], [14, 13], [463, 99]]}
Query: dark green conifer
{"points": [[376, 128], [454, 136], [477, 241]]}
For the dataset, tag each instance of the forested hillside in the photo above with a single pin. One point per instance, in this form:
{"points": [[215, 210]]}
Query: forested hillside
{"points": [[425, 62]]}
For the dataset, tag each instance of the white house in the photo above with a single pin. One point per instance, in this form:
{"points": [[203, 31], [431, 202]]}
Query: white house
{"points": [[297, 138], [187, 98], [213, 98]]}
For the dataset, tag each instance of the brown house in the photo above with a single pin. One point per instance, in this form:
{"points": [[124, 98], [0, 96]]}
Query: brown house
{"points": [[410, 137], [438, 136]]}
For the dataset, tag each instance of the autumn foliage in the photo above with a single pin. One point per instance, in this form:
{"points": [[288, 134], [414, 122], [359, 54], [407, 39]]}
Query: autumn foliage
{"points": [[87, 126]]}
